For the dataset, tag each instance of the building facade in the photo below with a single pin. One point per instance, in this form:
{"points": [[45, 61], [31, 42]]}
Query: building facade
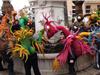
{"points": [[55, 8], [91, 5], [52, 8], [87, 7]]}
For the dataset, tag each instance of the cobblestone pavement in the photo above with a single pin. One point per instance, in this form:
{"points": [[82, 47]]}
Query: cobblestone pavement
{"points": [[89, 71], [5, 73], [19, 68]]}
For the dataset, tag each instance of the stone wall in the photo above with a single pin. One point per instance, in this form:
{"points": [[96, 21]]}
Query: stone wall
{"points": [[45, 65]]}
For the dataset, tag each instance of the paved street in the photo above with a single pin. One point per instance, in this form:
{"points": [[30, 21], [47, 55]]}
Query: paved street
{"points": [[19, 70], [89, 71]]}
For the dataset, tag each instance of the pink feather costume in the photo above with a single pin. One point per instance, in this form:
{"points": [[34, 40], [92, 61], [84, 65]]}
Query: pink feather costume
{"points": [[71, 41], [79, 48]]}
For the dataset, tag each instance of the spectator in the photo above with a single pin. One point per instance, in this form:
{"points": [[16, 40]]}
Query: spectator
{"points": [[15, 26]]}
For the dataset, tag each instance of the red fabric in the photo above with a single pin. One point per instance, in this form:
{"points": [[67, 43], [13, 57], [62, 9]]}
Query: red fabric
{"points": [[64, 30], [63, 56], [70, 42], [52, 29], [78, 46]]}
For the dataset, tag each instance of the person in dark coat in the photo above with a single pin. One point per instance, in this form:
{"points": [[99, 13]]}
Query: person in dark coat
{"points": [[15, 26]]}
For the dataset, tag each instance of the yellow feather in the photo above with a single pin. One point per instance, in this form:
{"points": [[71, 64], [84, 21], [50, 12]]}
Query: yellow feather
{"points": [[41, 48], [56, 65], [26, 56], [37, 46], [82, 34]]}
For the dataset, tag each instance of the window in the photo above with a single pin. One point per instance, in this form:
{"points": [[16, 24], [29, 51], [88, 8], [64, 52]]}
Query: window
{"points": [[73, 7], [32, 3], [73, 11], [88, 7], [87, 11], [98, 6], [33, 10], [74, 15], [42, 3]]}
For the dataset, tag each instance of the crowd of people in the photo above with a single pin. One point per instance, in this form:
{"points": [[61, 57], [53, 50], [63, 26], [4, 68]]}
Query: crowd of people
{"points": [[88, 28], [17, 39]]}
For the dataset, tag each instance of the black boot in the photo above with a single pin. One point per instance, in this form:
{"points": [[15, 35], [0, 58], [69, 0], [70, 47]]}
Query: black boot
{"points": [[10, 62], [71, 63], [1, 66], [72, 69], [11, 68]]}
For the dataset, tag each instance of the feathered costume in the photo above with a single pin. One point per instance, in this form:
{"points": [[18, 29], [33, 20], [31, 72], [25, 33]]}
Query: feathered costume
{"points": [[4, 27], [5, 31], [6, 45], [78, 46], [71, 41], [24, 45], [23, 20], [94, 41], [52, 29]]}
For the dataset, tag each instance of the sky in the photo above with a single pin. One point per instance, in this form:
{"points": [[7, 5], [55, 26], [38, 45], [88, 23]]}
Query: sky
{"points": [[17, 4]]}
